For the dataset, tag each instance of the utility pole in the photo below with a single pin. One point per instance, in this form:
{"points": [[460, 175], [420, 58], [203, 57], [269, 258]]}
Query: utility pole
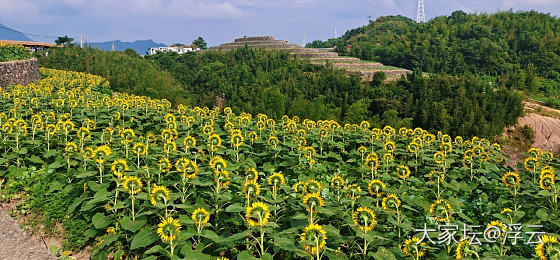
{"points": [[420, 15]]}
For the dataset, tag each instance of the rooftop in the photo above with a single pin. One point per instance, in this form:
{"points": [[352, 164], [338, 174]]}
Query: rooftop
{"points": [[24, 43]]}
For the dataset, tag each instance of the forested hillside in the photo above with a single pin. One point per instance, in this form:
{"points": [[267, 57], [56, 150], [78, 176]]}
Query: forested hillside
{"points": [[127, 72], [520, 49], [276, 83]]}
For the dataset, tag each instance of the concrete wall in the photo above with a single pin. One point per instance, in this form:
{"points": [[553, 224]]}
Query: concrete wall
{"points": [[20, 72]]}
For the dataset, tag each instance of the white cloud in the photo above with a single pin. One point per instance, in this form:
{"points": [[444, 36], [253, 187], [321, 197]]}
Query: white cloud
{"points": [[528, 3], [18, 10], [184, 9]]}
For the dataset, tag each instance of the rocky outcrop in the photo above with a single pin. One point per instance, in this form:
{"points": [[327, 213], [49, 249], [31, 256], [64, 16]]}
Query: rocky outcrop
{"points": [[20, 72]]}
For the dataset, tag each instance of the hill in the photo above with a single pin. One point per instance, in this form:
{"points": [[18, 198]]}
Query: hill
{"points": [[140, 46], [7, 33], [519, 49], [318, 56], [127, 73]]}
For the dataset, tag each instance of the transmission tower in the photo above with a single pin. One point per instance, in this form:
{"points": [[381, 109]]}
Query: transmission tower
{"points": [[420, 15], [304, 39]]}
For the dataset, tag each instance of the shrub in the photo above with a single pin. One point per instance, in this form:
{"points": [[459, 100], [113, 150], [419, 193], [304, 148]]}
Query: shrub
{"points": [[13, 52]]}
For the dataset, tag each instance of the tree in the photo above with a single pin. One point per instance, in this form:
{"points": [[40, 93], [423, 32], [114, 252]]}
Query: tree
{"points": [[65, 40], [131, 52], [200, 43], [357, 112]]}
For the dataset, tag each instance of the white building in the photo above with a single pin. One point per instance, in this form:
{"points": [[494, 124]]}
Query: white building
{"points": [[177, 49]]}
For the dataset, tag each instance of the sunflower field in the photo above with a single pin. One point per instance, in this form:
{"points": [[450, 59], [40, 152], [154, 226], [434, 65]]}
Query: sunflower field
{"points": [[136, 178]]}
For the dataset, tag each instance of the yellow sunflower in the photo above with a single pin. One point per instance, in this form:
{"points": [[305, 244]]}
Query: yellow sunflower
{"points": [[312, 234], [159, 193], [276, 179], [312, 186], [353, 191], [434, 175], [312, 201], [441, 210], [217, 163], [168, 229], [164, 165], [412, 247], [257, 214], [252, 174], [549, 248], [364, 218], [439, 157], [531, 163], [496, 226], [372, 162], [140, 148], [251, 189], [463, 250], [547, 181], [118, 167], [132, 184], [337, 182], [273, 141], [403, 172], [511, 179], [391, 202], [200, 216], [376, 187], [70, 148]]}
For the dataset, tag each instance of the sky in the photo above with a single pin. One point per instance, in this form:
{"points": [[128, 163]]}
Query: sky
{"points": [[221, 21]]}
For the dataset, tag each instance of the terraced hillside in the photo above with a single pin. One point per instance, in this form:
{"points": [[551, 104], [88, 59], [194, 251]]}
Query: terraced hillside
{"points": [[317, 56]]}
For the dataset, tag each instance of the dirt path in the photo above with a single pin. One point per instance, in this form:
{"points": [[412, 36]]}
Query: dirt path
{"points": [[15, 244]]}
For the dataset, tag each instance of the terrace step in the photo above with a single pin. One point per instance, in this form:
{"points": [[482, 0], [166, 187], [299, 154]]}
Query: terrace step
{"points": [[355, 65], [316, 56]]}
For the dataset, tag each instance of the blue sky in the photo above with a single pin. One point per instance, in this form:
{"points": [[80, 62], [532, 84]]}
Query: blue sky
{"points": [[220, 21]]}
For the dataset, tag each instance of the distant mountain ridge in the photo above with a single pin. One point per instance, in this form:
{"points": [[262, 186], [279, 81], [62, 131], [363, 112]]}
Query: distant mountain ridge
{"points": [[140, 46], [7, 33]]}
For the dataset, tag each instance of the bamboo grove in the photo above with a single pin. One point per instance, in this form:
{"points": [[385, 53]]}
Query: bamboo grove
{"points": [[142, 179]]}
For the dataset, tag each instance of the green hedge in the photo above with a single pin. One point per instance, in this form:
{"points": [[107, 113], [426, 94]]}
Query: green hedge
{"points": [[13, 52]]}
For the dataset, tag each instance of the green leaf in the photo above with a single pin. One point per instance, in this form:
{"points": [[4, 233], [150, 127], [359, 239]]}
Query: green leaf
{"points": [[144, 238], [135, 225], [236, 207], [245, 255], [100, 221], [542, 214], [35, 159], [237, 236], [154, 250]]}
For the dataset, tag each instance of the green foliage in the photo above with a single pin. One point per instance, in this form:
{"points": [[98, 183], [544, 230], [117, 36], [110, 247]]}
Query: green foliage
{"points": [[127, 73], [249, 77], [493, 44], [95, 157], [257, 81], [64, 40], [200, 43], [464, 105], [13, 52], [521, 48]]}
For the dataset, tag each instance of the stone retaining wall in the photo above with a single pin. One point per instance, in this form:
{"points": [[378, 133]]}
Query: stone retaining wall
{"points": [[20, 72], [255, 38]]}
